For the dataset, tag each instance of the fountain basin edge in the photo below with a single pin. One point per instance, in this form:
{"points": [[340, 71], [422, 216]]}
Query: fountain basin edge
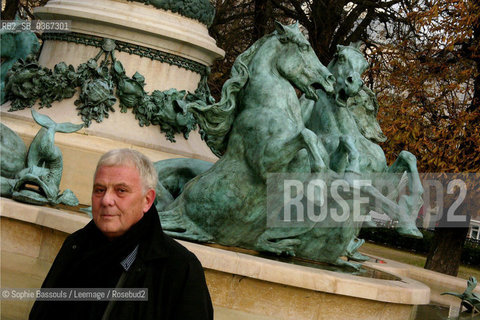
{"points": [[242, 286]]}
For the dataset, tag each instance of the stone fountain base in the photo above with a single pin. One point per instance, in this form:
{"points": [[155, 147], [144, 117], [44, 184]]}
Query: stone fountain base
{"points": [[242, 286]]}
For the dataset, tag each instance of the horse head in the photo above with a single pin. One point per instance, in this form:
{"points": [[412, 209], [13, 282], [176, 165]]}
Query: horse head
{"points": [[347, 66], [298, 63], [283, 54]]}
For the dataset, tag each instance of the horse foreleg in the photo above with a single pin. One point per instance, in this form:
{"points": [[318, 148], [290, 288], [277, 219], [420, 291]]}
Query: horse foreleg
{"points": [[176, 224], [305, 146], [306, 105], [314, 147], [406, 162], [346, 264], [346, 157], [275, 156], [406, 222], [278, 154]]}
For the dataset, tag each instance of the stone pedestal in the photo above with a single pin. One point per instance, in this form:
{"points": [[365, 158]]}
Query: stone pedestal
{"points": [[169, 50], [437, 282]]}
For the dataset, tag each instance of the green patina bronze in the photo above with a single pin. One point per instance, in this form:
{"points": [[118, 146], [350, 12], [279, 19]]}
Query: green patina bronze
{"points": [[349, 130], [15, 46], [258, 128], [470, 300], [28, 82], [130, 48], [201, 10], [96, 80], [101, 81], [173, 175], [34, 177], [14, 153]]}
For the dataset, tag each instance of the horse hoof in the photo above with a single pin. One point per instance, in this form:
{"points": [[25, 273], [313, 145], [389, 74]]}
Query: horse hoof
{"points": [[410, 232]]}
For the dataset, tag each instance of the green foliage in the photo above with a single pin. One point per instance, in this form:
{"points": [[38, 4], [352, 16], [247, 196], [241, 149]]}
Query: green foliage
{"points": [[471, 253]]}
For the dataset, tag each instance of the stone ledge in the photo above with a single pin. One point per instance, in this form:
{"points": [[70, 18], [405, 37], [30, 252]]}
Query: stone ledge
{"points": [[406, 291], [438, 282], [65, 221]]}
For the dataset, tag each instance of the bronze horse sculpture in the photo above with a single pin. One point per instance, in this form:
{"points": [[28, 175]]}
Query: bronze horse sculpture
{"points": [[258, 128], [347, 126]]}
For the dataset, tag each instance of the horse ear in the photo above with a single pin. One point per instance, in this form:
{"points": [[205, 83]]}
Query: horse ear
{"points": [[356, 44], [279, 27]]}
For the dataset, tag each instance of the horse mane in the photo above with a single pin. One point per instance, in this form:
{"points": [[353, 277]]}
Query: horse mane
{"points": [[216, 120]]}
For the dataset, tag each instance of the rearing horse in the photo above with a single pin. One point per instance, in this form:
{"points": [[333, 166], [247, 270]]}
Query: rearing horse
{"points": [[256, 128], [350, 137]]}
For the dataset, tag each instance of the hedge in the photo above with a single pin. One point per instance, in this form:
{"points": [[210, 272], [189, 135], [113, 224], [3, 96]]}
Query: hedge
{"points": [[471, 253]]}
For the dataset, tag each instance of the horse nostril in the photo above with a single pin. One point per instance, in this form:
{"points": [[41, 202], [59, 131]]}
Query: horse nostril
{"points": [[350, 80], [331, 79]]}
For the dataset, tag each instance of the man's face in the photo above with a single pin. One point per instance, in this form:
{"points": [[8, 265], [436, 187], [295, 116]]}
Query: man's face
{"points": [[118, 200]]}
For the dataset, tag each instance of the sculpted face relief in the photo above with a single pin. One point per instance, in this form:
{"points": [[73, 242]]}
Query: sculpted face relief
{"points": [[118, 199]]}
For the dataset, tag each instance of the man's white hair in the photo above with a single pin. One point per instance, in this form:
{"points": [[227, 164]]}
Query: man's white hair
{"points": [[129, 157]]}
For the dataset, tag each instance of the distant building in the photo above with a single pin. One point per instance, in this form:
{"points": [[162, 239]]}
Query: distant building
{"points": [[474, 230]]}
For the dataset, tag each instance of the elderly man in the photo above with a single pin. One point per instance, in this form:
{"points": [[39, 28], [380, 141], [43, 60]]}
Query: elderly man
{"points": [[124, 247]]}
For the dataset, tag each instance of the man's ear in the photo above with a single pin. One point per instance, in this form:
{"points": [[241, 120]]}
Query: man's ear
{"points": [[149, 198]]}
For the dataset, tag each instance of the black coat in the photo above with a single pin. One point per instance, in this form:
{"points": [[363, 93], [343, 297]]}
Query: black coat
{"points": [[173, 275]]}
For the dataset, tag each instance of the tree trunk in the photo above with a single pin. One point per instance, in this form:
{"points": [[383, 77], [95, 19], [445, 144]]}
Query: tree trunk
{"points": [[263, 14], [446, 250]]}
